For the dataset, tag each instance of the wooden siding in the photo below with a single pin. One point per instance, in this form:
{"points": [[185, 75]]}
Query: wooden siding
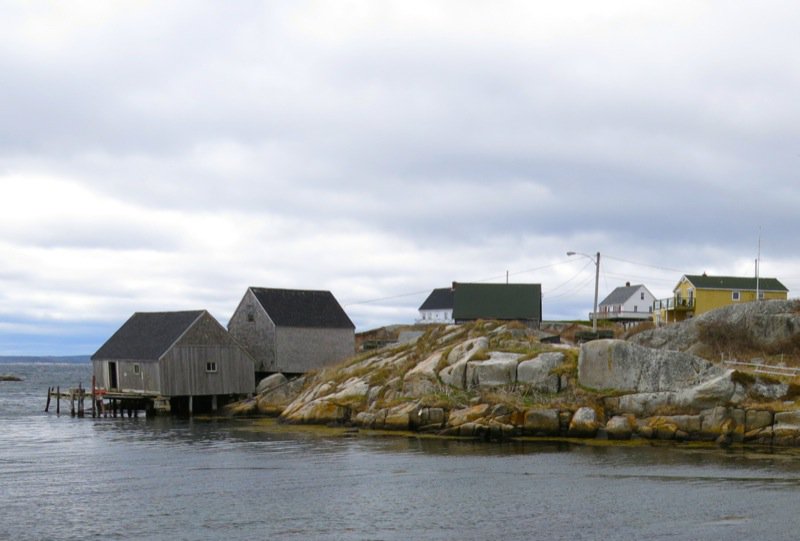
{"points": [[300, 349], [256, 336], [183, 368], [147, 380], [710, 299]]}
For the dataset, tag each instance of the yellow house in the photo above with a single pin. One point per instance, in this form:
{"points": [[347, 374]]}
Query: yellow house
{"points": [[696, 294]]}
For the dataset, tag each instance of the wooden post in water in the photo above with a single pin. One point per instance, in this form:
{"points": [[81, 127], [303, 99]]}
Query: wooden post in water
{"points": [[94, 398], [47, 406], [80, 400], [72, 402], [58, 400]]}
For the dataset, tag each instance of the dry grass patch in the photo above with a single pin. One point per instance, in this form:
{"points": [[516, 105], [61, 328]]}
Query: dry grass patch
{"points": [[639, 328]]}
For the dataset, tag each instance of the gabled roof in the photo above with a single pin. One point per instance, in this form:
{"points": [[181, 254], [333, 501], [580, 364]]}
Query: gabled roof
{"points": [[621, 294], [497, 301], [146, 336], [734, 282], [302, 308], [439, 299]]}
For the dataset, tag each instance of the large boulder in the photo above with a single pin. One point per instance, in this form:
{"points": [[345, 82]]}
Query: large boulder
{"points": [[786, 429], [465, 415], [537, 372], [541, 422], [584, 423], [422, 379], [710, 393], [500, 369], [454, 374], [277, 392], [617, 365], [619, 427], [644, 404], [399, 417], [271, 382], [319, 411], [766, 325]]}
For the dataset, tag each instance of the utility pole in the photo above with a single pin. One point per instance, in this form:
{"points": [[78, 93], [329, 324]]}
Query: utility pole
{"points": [[596, 261]]}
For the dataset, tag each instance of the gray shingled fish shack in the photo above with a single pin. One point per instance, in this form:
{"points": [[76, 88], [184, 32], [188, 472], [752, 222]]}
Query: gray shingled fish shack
{"points": [[292, 330], [184, 359]]}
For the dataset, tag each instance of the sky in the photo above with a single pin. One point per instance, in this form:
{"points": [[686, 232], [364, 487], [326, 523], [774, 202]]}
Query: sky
{"points": [[167, 155]]}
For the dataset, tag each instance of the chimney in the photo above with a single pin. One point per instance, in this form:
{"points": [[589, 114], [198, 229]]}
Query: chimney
{"points": [[627, 284]]}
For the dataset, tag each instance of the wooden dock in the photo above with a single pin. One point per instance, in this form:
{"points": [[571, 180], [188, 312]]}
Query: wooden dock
{"points": [[105, 403]]}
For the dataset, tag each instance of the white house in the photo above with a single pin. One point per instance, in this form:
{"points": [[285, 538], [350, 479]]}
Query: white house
{"points": [[438, 307], [627, 303]]}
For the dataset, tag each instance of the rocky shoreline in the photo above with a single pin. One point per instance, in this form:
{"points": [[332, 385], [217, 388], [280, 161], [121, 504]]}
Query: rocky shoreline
{"points": [[495, 381]]}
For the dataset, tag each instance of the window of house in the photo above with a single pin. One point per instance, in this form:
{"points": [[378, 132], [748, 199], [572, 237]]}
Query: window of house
{"points": [[735, 295], [211, 366], [136, 368], [635, 307], [251, 316], [641, 295]]}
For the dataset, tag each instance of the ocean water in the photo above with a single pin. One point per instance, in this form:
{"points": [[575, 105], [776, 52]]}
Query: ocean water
{"points": [[65, 478]]}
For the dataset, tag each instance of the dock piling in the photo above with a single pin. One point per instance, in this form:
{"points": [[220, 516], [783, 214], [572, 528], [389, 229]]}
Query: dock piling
{"points": [[94, 398]]}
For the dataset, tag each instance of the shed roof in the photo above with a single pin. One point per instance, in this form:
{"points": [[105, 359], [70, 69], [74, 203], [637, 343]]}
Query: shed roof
{"points": [[701, 281], [439, 299], [146, 336], [620, 295], [302, 308], [497, 301]]}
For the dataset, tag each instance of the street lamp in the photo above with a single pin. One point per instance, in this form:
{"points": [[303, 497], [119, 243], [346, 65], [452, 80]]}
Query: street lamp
{"points": [[596, 261]]}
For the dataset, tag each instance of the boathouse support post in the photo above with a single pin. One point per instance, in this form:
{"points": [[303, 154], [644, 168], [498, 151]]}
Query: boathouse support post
{"points": [[80, 400], [94, 399], [58, 400], [190, 404]]}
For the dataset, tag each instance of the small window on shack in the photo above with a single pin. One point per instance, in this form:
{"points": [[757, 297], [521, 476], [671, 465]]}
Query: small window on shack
{"points": [[137, 369], [735, 295], [211, 367], [251, 316]]}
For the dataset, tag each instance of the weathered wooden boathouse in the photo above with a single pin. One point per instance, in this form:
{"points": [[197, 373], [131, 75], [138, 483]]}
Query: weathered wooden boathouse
{"points": [[292, 330], [182, 361]]}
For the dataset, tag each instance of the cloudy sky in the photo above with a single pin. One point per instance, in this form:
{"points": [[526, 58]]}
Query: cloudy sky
{"points": [[167, 155]]}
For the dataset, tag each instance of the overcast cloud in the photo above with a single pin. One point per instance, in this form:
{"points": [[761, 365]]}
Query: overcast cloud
{"points": [[167, 155]]}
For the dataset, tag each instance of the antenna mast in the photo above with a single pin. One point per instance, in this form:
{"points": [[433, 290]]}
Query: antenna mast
{"points": [[758, 264]]}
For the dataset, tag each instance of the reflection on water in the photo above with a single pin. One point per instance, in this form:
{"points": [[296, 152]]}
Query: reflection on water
{"points": [[208, 478]]}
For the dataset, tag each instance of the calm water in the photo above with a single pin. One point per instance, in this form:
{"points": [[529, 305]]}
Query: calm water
{"points": [[64, 478]]}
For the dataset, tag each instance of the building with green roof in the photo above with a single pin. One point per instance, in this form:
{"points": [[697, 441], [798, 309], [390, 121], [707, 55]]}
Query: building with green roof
{"points": [[696, 294], [508, 302]]}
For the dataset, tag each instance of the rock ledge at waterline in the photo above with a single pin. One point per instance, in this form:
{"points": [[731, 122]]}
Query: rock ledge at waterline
{"points": [[496, 381]]}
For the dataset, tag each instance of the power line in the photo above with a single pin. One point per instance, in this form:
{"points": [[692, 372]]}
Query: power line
{"points": [[643, 264], [387, 298], [586, 282], [562, 284], [401, 295]]}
